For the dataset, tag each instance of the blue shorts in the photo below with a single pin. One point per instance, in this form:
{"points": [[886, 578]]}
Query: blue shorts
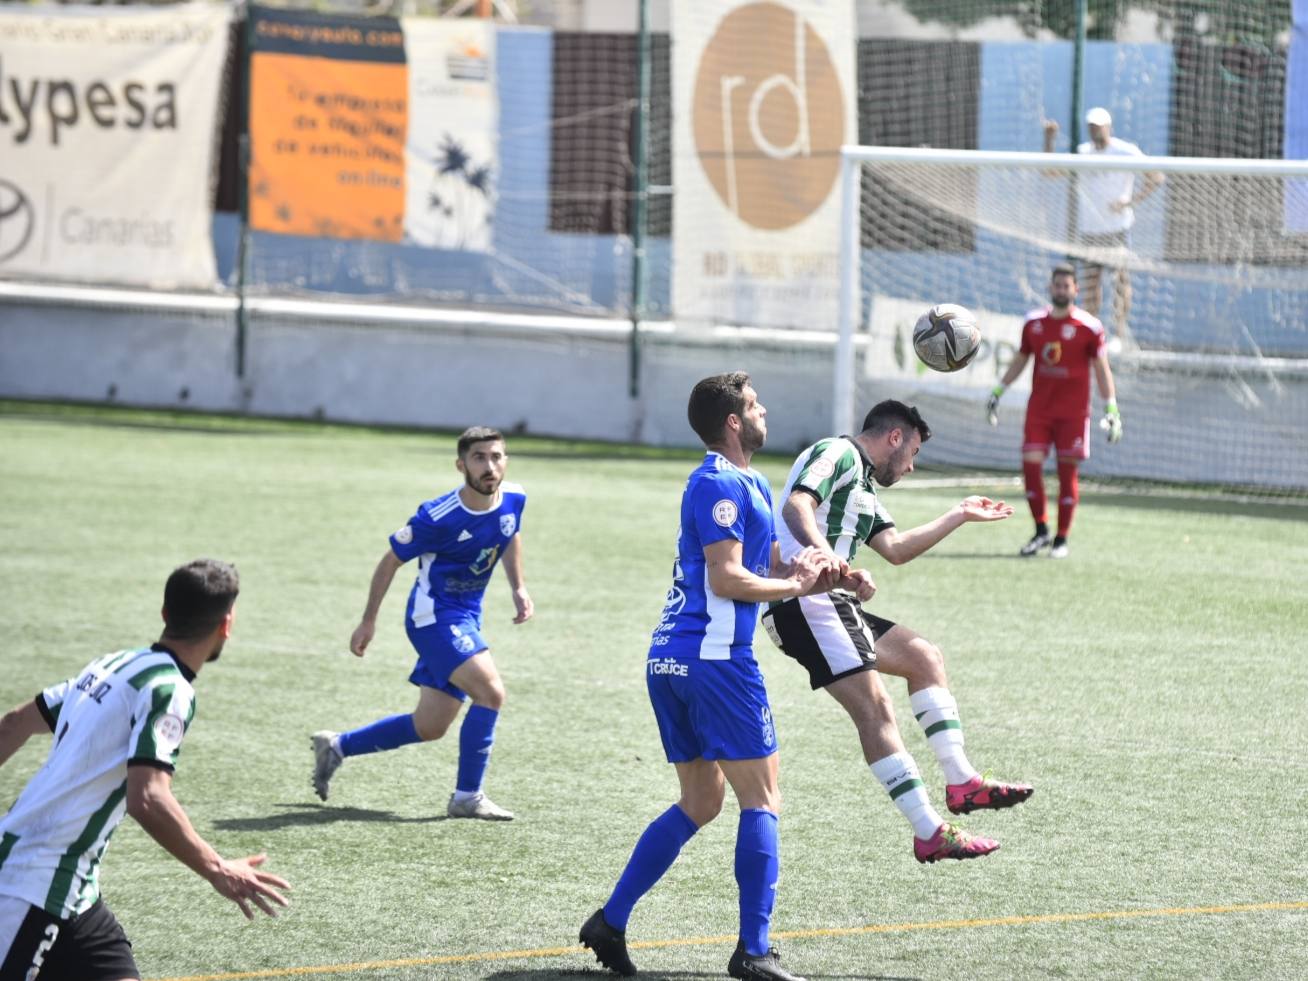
{"points": [[714, 710], [441, 648]]}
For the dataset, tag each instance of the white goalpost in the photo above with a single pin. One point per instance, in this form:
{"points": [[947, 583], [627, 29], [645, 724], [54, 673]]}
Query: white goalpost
{"points": [[1204, 298]]}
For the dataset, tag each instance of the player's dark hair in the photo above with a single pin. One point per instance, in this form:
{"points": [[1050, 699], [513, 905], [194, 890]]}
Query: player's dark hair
{"points": [[198, 596], [712, 400], [1064, 269], [891, 414], [477, 434]]}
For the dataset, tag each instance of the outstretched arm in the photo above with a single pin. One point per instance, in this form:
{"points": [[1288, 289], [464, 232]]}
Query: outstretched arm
{"points": [[522, 603], [151, 802], [898, 547], [17, 726], [381, 581]]}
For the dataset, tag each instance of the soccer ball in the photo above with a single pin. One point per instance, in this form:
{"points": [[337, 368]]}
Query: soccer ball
{"points": [[946, 337]]}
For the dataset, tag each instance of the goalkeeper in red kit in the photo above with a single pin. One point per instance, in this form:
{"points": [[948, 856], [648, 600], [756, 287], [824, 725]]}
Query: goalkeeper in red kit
{"points": [[1067, 344]]}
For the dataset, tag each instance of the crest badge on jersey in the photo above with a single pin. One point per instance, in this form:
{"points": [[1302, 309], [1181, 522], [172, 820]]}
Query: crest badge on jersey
{"points": [[168, 732], [725, 512], [1069, 331], [822, 467], [508, 524], [404, 535]]}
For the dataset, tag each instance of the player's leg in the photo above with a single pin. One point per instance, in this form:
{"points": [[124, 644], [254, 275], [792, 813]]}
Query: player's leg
{"points": [[434, 646], [478, 676], [661, 842], [906, 654], [1072, 441], [1037, 437]]}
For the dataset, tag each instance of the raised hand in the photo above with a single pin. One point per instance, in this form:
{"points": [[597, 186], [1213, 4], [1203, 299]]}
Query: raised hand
{"points": [[977, 508]]}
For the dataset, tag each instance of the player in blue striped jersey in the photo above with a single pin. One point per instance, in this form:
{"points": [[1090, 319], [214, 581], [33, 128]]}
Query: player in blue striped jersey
{"points": [[457, 538], [118, 728], [704, 684]]}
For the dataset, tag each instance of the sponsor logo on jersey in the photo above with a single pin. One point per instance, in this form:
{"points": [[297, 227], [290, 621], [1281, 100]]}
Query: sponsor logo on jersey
{"points": [[668, 665], [724, 513], [404, 535], [1052, 352], [508, 524], [464, 536], [485, 561]]}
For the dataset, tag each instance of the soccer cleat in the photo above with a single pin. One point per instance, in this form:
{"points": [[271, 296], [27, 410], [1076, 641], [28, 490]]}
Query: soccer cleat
{"points": [[326, 761], [480, 807], [951, 841], [1038, 541], [768, 966], [982, 794], [610, 945], [1059, 550]]}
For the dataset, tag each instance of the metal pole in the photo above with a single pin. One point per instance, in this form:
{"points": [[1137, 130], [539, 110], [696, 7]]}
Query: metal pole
{"points": [[640, 200], [243, 191], [1078, 75], [842, 410]]}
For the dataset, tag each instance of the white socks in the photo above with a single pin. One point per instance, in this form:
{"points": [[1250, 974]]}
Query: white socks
{"points": [[937, 712], [898, 774]]}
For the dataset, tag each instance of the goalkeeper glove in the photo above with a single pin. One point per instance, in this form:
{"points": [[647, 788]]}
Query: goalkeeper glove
{"points": [[992, 404], [1111, 423]]}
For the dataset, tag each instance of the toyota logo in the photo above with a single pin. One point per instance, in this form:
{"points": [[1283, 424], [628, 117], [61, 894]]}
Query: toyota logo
{"points": [[17, 220]]}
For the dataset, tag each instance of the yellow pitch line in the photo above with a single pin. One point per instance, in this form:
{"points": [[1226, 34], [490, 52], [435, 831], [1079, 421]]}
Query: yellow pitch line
{"points": [[510, 955]]}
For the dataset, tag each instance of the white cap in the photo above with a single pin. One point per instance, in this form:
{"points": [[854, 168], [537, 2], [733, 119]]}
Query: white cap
{"points": [[1098, 116]]}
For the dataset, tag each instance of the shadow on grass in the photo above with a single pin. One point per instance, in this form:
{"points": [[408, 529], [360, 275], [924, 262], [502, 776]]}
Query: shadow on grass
{"points": [[547, 974], [307, 815]]}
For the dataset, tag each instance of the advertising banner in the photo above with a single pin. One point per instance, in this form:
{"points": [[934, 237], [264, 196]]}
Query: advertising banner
{"points": [[373, 128], [1296, 118], [108, 122], [763, 98]]}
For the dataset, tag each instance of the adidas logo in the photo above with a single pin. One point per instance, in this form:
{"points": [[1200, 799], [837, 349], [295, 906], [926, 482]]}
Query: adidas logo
{"points": [[464, 536]]}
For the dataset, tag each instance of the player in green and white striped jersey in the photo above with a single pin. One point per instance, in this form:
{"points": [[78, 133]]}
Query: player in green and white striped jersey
{"points": [[830, 501], [118, 727]]}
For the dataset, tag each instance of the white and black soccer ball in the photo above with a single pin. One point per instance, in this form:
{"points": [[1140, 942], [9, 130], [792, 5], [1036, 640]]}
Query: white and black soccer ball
{"points": [[946, 337]]}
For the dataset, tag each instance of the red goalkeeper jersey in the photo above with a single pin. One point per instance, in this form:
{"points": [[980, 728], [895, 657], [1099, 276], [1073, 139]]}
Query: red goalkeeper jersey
{"points": [[1064, 349]]}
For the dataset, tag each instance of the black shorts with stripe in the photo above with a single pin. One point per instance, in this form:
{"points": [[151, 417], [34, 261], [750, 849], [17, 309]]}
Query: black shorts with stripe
{"points": [[830, 634], [90, 946]]}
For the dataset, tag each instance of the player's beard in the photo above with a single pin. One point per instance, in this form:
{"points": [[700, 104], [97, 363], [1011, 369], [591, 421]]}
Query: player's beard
{"points": [[217, 652], [752, 436], [478, 484], [894, 468]]}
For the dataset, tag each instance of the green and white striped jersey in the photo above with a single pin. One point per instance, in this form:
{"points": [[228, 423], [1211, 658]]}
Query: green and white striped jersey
{"points": [[127, 708], [838, 474]]}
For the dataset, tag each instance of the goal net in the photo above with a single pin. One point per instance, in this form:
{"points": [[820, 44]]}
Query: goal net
{"points": [[1202, 287]]}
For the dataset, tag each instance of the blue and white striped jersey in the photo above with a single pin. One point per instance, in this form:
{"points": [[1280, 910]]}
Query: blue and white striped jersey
{"points": [[457, 550], [720, 502]]}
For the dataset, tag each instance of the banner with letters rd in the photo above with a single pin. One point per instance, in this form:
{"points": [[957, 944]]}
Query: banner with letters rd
{"points": [[373, 128], [763, 98], [107, 143]]}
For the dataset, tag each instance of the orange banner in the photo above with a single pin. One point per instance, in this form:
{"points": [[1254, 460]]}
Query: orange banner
{"points": [[327, 135]]}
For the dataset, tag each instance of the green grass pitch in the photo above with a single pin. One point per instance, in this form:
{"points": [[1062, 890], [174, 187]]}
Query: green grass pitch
{"points": [[1154, 689]]}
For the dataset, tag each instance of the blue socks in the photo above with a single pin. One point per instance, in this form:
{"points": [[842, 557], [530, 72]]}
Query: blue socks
{"points": [[654, 854], [758, 866], [389, 733], [475, 738]]}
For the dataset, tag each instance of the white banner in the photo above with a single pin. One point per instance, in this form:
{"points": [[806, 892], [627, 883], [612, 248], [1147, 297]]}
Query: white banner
{"points": [[107, 137], [451, 162], [890, 356], [763, 97]]}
